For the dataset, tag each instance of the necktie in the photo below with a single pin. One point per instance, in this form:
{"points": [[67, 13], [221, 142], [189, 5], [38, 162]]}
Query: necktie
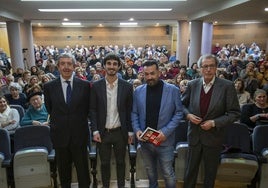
{"points": [[68, 92]]}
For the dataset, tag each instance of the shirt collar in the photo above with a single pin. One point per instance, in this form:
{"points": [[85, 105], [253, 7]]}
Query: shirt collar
{"points": [[63, 80], [210, 83], [115, 83]]}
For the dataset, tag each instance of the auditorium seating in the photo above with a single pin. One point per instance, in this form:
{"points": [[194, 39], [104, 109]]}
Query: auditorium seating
{"points": [[238, 163], [5, 157], [32, 147], [260, 148]]}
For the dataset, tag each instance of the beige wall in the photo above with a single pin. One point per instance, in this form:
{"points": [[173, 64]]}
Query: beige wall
{"points": [[101, 36], [4, 40], [223, 34], [237, 34]]}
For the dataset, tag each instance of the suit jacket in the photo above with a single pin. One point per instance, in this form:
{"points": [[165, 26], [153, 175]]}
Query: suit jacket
{"points": [[223, 109], [68, 123], [170, 114], [98, 106]]}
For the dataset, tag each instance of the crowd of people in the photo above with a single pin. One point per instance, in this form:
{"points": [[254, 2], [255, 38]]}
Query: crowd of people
{"points": [[236, 74]]}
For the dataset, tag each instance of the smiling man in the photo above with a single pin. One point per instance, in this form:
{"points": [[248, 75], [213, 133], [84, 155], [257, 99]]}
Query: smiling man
{"points": [[67, 102], [110, 104]]}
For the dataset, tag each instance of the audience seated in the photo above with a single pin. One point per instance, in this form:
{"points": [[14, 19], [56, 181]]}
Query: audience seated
{"points": [[15, 96], [36, 114]]}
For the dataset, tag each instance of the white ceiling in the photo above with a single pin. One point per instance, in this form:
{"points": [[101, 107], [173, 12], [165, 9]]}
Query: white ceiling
{"points": [[222, 11]]}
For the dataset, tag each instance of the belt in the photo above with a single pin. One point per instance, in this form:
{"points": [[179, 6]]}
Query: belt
{"points": [[112, 130]]}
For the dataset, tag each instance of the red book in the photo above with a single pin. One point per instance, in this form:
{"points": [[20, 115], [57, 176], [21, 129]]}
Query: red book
{"points": [[149, 135]]}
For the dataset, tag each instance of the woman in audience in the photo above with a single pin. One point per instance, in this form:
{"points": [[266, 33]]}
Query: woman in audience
{"points": [[9, 117], [243, 96], [15, 96], [256, 113]]}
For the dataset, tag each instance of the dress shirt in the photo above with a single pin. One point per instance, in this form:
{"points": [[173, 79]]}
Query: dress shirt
{"points": [[112, 118], [209, 85], [64, 85]]}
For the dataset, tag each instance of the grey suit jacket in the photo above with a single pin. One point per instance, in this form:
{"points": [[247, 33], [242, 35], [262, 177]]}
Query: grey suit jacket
{"points": [[223, 109], [98, 106]]}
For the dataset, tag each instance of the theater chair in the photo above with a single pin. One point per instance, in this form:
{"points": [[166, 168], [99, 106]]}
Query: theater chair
{"points": [[33, 149], [5, 157], [181, 153], [238, 163], [260, 148]]}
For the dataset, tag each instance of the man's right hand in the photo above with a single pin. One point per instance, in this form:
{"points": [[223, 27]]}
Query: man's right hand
{"points": [[97, 137], [194, 119]]}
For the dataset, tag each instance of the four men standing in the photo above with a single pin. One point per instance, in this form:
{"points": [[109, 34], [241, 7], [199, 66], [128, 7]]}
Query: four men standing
{"points": [[156, 104]]}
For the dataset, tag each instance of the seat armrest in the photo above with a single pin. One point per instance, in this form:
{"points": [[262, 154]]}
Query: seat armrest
{"points": [[51, 156], [92, 151], [6, 163], [132, 150]]}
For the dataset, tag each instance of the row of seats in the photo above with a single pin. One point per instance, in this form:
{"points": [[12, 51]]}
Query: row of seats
{"points": [[243, 158]]}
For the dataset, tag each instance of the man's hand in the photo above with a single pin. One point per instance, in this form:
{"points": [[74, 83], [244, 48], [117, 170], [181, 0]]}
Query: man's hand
{"points": [[138, 135], [207, 125], [194, 119], [161, 137], [130, 139], [97, 137]]}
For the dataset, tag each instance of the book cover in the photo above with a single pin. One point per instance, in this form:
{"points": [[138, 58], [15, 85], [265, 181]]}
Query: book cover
{"points": [[149, 135]]}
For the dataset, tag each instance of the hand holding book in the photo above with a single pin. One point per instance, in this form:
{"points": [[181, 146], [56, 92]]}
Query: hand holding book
{"points": [[150, 135]]}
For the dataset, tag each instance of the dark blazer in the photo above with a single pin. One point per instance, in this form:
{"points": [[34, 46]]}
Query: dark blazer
{"points": [[223, 109], [98, 106], [68, 123]]}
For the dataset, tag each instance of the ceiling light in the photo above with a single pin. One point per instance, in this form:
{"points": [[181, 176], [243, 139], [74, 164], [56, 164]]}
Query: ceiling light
{"points": [[266, 9], [108, 10], [71, 23], [111, 0], [128, 23], [65, 19], [247, 22], [131, 19], [2, 23]]}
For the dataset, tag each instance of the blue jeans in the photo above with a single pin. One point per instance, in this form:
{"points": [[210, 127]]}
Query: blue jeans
{"points": [[162, 155]]}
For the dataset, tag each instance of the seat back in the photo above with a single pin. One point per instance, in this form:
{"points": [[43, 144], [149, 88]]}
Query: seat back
{"points": [[19, 108], [259, 138], [181, 132], [32, 136], [237, 137], [5, 147]]}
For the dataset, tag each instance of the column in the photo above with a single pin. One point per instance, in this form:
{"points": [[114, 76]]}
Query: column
{"points": [[27, 43], [207, 36], [13, 32], [195, 41], [183, 42]]}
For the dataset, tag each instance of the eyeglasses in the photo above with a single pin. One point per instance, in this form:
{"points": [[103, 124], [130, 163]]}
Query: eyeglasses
{"points": [[208, 66]]}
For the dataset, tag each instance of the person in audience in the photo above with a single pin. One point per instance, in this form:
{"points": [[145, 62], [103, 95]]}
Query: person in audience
{"points": [[15, 96], [24, 80], [249, 76], [67, 102], [33, 80], [243, 96], [210, 103], [183, 85], [193, 72], [256, 113], [36, 114], [136, 83], [130, 74], [9, 117], [157, 104], [79, 73], [110, 111]]}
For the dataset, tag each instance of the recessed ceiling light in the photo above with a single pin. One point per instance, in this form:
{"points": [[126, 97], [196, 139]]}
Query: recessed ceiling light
{"points": [[131, 19], [65, 19], [109, 10], [128, 23], [247, 22], [266, 9], [71, 23], [2, 23]]}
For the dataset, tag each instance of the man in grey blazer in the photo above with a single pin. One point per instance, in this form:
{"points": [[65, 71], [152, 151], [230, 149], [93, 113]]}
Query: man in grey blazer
{"points": [[69, 122], [210, 104], [110, 114]]}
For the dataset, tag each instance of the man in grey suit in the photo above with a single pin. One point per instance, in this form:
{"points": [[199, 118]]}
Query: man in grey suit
{"points": [[67, 102], [110, 114], [210, 104]]}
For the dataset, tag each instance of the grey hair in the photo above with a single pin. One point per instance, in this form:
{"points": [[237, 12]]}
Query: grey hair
{"points": [[207, 56], [67, 55]]}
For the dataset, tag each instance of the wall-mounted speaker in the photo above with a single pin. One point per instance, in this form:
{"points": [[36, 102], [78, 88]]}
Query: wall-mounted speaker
{"points": [[167, 29]]}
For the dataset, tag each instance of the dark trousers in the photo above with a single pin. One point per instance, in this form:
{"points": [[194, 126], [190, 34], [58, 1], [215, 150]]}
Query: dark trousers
{"points": [[78, 156], [211, 158], [116, 141]]}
